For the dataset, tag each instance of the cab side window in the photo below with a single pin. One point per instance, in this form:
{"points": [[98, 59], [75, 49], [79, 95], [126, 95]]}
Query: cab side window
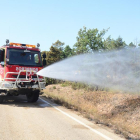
{"points": [[36, 58], [1, 56]]}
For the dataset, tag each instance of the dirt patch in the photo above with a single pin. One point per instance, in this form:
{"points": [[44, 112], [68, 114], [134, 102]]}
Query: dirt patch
{"points": [[120, 111]]}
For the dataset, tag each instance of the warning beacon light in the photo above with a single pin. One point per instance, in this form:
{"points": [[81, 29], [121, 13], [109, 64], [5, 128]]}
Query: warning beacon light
{"points": [[38, 45], [7, 41], [19, 44]]}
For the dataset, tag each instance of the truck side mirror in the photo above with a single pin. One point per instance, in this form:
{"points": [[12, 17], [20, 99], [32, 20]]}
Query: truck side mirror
{"points": [[44, 62], [44, 59], [44, 55]]}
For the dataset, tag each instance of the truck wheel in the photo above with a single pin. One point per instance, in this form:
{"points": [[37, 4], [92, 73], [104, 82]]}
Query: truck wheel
{"points": [[1, 99], [32, 96]]}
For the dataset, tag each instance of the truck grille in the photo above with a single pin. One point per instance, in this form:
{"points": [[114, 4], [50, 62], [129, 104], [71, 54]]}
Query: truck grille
{"points": [[24, 76]]}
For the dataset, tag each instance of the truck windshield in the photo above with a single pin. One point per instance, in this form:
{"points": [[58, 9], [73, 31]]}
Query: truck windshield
{"points": [[23, 57]]}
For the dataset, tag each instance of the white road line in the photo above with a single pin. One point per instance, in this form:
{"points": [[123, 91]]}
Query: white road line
{"points": [[95, 131]]}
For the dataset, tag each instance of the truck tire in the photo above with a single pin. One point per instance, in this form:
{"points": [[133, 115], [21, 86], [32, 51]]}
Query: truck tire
{"points": [[32, 96], [1, 99]]}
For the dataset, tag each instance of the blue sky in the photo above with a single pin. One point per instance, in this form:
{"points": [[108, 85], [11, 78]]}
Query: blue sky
{"points": [[46, 21]]}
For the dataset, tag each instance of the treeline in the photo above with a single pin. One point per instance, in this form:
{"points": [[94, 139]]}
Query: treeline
{"points": [[88, 41]]}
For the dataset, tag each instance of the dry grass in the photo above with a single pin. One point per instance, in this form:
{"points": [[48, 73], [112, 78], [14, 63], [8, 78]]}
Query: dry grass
{"points": [[116, 110]]}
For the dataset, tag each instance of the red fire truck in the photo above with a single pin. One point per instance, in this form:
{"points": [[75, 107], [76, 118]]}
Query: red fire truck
{"points": [[19, 64]]}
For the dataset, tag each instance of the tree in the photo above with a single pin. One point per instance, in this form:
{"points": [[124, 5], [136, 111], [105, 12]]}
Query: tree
{"points": [[132, 44], [59, 45], [109, 44], [53, 55], [67, 51], [89, 40], [136, 42], [119, 43]]}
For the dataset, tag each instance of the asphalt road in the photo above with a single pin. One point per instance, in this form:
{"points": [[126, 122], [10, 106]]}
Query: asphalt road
{"points": [[45, 120]]}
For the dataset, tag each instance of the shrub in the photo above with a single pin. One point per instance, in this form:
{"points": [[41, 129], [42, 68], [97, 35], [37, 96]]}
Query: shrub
{"points": [[54, 87]]}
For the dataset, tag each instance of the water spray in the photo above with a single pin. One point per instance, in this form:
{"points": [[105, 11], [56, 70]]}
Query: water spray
{"points": [[116, 69]]}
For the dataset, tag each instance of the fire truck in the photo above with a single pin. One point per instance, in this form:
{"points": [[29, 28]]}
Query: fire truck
{"points": [[19, 64]]}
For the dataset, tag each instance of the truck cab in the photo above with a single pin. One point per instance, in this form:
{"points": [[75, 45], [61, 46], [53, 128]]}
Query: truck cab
{"points": [[19, 64]]}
